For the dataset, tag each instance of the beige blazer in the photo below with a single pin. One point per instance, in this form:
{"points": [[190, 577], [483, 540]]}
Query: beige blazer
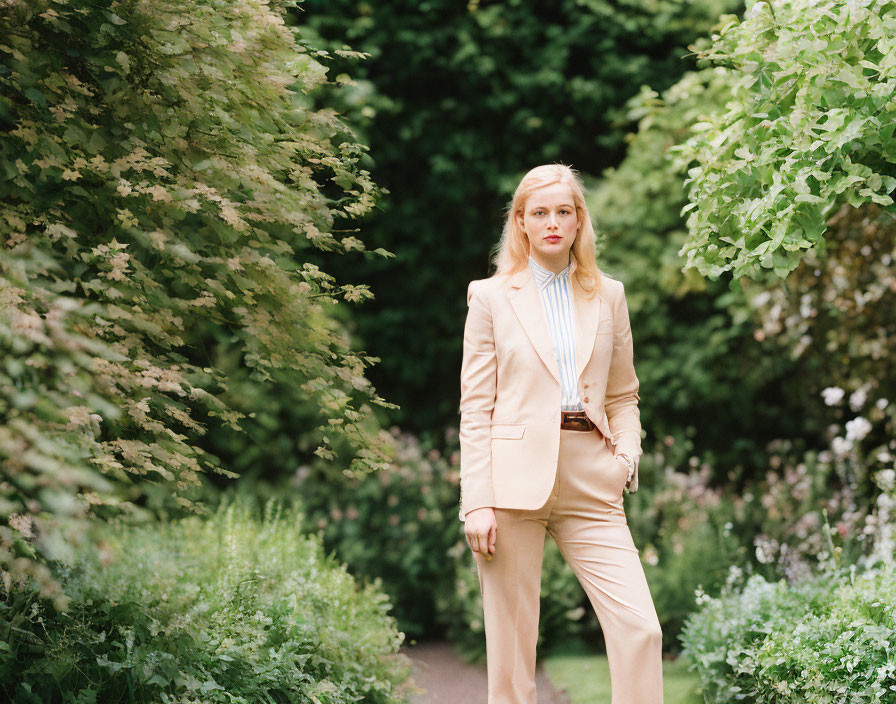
{"points": [[510, 388]]}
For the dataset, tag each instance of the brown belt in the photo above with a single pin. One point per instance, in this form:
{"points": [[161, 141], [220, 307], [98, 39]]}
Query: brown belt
{"points": [[575, 420]]}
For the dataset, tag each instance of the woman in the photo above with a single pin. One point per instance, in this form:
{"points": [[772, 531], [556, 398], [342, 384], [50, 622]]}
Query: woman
{"points": [[550, 438]]}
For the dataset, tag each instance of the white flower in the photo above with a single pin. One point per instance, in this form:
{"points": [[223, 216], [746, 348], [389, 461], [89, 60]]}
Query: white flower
{"points": [[766, 549], [882, 403], [886, 479], [857, 428], [857, 399], [806, 306], [700, 596], [735, 574], [841, 446], [833, 395]]}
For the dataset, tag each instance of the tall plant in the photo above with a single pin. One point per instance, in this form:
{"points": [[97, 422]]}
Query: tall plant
{"points": [[165, 184]]}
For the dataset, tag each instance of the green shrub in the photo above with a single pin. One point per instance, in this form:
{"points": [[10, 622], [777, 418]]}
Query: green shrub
{"points": [[828, 638], [234, 608], [398, 525]]}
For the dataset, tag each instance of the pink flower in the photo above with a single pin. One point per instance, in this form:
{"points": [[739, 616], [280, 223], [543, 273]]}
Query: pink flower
{"points": [[393, 520]]}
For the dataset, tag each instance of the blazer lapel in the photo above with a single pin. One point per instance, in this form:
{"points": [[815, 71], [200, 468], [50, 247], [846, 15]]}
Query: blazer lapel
{"points": [[526, 301], [588, 313], [525, 298]]}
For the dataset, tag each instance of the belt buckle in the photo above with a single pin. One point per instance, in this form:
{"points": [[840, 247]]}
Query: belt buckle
{"points": [[578, 422]]}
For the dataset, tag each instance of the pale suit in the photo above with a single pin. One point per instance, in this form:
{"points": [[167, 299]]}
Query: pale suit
{"points": [[541, 479]]}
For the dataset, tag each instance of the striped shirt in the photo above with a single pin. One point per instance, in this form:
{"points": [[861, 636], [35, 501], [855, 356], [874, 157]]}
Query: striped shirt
{"points": [[556, 295]]}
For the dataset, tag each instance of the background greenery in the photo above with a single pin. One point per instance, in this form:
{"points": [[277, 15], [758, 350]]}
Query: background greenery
{"points": [[457, 101], [196, 194]]}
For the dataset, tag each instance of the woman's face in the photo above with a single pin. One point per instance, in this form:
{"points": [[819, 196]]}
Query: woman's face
{"points": [[550, 221]]}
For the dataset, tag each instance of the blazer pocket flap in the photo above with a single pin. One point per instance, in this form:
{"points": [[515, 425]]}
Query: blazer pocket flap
{"points": [[512, 431]]}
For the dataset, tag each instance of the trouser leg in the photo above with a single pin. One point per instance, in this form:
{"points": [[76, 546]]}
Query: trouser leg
{"points": [[589, 526], [511, 583], [609, 569]]}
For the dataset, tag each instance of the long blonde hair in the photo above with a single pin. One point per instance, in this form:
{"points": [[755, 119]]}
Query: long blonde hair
{"points": [[512, 251]]}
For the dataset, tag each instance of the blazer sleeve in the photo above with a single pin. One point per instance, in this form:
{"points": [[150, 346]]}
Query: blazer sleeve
{"points": [[622, 396], [478, 386]]}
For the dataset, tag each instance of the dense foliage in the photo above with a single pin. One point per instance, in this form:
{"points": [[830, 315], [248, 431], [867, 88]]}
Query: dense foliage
{"points": [[837, 316], [808, 127], [457, 100], [777, 392], [167, 189], [705, 378], [235, 608]]}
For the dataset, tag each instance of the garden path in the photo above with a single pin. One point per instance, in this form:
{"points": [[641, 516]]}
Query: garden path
{"points": [[447, 679]]}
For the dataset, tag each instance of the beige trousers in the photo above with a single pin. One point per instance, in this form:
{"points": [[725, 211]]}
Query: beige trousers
{"points": [[584, 515]]}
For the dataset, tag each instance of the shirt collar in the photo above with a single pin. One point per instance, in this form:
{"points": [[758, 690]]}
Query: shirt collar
{"points": [[545, 277]]}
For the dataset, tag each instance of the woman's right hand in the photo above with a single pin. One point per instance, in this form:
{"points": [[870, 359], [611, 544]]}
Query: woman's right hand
{"points": [[481, 530]]}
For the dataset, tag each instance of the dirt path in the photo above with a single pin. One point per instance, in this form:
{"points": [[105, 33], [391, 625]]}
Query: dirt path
{"points": [[446, 679]]}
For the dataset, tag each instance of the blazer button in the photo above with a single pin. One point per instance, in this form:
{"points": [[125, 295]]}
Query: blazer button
{"points": [[585, 399]]}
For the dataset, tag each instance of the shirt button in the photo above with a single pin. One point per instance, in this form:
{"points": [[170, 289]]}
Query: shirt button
{"points": [[585, 399]]}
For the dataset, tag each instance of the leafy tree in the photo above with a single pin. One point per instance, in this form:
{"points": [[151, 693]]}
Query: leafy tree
{"points": [[167, 184], [809, 126], [704, 376]]}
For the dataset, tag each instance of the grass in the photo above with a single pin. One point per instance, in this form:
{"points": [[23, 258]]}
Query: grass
{"points": [[585, 676]]}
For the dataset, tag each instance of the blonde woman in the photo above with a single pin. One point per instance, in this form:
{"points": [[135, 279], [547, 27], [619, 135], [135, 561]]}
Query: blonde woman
{"points": [[550, 439]]}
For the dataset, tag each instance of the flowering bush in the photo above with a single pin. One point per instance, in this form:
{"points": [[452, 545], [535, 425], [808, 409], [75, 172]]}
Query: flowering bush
{"points": [[823, 636], [828, 638], [836, 315]]}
